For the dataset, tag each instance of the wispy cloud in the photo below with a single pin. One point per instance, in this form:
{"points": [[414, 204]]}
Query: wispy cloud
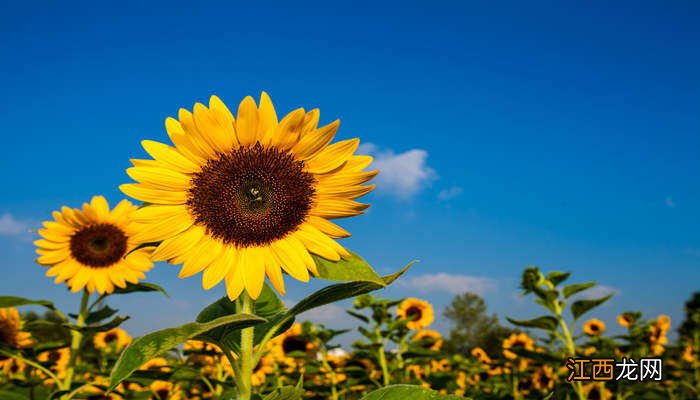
{"points": [[451, 283], [10, 226], [451, 193], [598, 291], [402, 174], [669, 202]]}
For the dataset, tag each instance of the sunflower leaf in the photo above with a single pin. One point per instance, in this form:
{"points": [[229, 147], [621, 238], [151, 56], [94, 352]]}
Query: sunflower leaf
{"points": [[115, 322], [402, 392], [99, 315], [12, 301], [267, 306], [580, 307], [285, 393], [140, 287], [547, 323], [345, 270], [155, 343], [571, 290], [557, 277]]}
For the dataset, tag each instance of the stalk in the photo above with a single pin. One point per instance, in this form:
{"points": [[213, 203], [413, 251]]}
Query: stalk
{"points": [[569, 345], [246, 359], [76, 340]]}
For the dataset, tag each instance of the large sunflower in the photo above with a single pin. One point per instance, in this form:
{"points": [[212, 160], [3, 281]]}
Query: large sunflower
{"points": [[90, 248], [245, 197], [418, 313]]}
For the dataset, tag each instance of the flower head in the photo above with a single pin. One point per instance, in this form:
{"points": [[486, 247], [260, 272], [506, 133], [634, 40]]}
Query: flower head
{"points": [[593, 327], [92, 248], [626, 319], [247, 197], [431, 339], [418, 313], [481, 355], [517, 341], [111, 340], [11, 333]]}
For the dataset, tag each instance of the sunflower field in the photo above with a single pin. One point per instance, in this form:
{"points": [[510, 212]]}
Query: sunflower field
{"points": [[247, 197]]}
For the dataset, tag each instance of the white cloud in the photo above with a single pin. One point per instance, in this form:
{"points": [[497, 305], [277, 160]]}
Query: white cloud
{"points": [[12, 227], [597, 292], [451, 193], [403, 174], [328, 314], [451, 283], [669, 202]]}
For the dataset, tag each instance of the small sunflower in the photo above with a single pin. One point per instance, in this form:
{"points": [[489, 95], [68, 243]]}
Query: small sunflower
{"points": [[92, 248], [113, 339], [543, 379], [480, 354], [593, 327], [626, 319], [418, 313], [12, 367], [439, 365], [415, 370], [517, 341], [592, 392], [156, 364], [162, 390], [57, 359], [247, 197], [688, 354], [292, 341], [430, 339], [11, 333]]}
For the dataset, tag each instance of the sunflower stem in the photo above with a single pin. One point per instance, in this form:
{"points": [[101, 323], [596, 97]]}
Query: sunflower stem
{"points": [[77, 338], [246, 360]]}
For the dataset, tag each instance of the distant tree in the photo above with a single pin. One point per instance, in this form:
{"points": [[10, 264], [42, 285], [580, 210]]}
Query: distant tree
{"points": [[472, 326], [51, 331], [691, 323]]}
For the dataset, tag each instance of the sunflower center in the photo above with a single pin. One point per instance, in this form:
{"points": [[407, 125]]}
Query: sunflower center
{"points": [[110, 337], [99, 245], [54, 356], [251, 196], [414, 313], [293, 343]]}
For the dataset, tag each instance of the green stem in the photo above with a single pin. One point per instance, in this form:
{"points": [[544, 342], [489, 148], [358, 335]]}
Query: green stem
{"points": [[569, 346], [31, 363], [331, 373], [386, 379], [77, 338], [246, 359]]}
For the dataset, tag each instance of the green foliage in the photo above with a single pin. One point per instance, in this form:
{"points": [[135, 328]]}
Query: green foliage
{"points": [[405, 392], [580, 307], [546, 322]]}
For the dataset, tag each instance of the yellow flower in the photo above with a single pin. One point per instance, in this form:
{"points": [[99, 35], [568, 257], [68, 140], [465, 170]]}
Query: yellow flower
{"points": [[265, 366], [91, 248], [480, 354], [593, 327], [517, 341], [289, 342], [433, 339], [12, 366], [247, 197], [657, 334], [156, 364], [543, 379], [58, 359], [626, 320], [163, 390], [592, 391], [418, 313], [688, 354], [113, 339], [415, 370], [439, 365], [11, 333]]}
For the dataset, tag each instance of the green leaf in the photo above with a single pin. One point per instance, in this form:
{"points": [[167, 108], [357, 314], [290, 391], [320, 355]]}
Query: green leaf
{"points": [[580, 307], [571, 290], [267, 306], [352, 269], [285, 393], [546, 322], [11, 395], [557, 277], [155, 343], [404, 392], [140, 287], [12, 301], [99, 315], [358, 316]]}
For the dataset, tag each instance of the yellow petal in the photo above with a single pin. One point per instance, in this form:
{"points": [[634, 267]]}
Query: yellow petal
{"points": [[252, 267], [318, 243], [225, 119], [184, 143], [234, 283], [337, 208], [159, 178], [199, 143], [160, 230], [287, 257], [157, 212], [346, 179], [289, 129], [268, 116], [100, 205], [344, 192], [155, 196], [179, 244], [332, 156], [216, 136], [311, 121], [247, 122], [273, 270], [313, 142], [327, 227], [169, 156], [218, 269]]}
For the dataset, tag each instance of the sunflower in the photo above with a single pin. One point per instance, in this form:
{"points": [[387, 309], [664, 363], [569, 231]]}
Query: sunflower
{"points": [[480, 354], [12, 367], [92, 248], [543, 379], [418, 313], [517, 341], [415, 370], [156, 364], [430, 339], [111, 340], [688, 354], [593, 327], [626, 319], [57, 359], [439, 365], [11, 333], [292, 341], [247, 197], [657, 334], [265, 366], [592, 392], [163, 390]]}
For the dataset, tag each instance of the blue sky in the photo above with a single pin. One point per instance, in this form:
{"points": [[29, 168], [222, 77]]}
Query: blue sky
{"points": [[561, 135]]}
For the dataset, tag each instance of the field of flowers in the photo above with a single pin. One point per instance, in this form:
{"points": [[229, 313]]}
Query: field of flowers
{"points": [[247, 201]]}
